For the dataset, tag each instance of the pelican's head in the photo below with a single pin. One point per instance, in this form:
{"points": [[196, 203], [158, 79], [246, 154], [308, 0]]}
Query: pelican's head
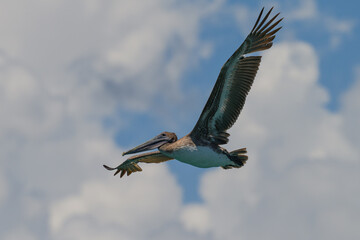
{"points": [[156, 142]]}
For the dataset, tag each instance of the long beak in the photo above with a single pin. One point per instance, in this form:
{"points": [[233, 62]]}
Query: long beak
{"points": [[149, 145]]}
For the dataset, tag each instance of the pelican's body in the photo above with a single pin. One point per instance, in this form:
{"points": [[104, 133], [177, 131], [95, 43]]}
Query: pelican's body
{"points": [[200, 156], [200, 147], [196, 154]]}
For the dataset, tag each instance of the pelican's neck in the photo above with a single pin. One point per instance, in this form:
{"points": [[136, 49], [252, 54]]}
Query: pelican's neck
{"points": [[180, 143]]}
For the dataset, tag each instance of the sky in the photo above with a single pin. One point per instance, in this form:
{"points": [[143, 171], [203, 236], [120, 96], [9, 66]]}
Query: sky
{"points": [[82, 81]]}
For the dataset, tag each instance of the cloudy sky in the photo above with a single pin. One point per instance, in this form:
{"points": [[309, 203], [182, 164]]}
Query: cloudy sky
{"points": [[81, 81]]}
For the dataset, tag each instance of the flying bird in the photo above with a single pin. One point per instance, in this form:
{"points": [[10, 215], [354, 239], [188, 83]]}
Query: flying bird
{"points": [[201, 147]]}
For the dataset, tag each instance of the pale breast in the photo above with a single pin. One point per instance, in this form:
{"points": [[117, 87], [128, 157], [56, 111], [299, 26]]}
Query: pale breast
{"points": [[199, 156]]}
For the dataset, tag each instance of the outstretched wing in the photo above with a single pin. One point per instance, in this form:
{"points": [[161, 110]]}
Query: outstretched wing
{"points": [[131, 164], [234, 82]]}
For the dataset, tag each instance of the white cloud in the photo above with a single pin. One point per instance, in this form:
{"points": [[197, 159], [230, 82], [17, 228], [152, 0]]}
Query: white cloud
{"points": [[3, 189], [136, 208], [337, 28], [128, 44], [340, 26], [306, 9], [300, 179], [196, 217], [64, 67], [351, 111], [20, 233]]}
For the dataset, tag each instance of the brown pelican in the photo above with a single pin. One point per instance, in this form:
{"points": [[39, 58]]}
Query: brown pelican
{"points": [[200, 147]]}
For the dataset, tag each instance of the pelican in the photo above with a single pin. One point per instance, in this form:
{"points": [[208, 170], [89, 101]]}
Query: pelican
{"points": [[200, 147]]}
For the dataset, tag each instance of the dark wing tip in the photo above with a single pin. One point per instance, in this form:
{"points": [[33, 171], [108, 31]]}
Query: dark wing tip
{"points": [[258, 19], [109, 168], [262, 33], [264, 20], [117, 171]]}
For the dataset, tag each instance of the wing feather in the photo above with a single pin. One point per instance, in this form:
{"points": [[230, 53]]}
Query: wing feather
{"points": [[151, 157], [131, 164], [234, 82]]}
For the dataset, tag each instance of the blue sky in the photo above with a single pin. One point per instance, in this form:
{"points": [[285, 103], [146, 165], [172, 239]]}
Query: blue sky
{"points": [[82, 81]]}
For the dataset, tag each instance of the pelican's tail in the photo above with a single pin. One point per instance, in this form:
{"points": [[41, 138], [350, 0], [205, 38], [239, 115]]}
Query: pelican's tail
{"points": [[238, 157]]}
